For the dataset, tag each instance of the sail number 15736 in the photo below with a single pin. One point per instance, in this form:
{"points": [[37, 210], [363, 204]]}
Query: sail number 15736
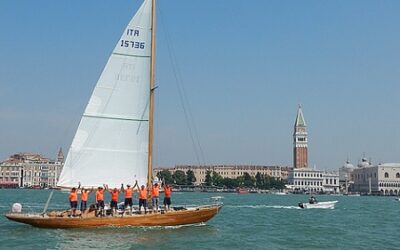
{"points": [[132, 44]]}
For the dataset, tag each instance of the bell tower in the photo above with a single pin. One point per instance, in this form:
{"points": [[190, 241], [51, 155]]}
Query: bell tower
{"points": [[60, 156], [300, 147]]}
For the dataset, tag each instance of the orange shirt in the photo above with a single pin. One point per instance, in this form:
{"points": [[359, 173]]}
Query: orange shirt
{"points": [[128, 192], [143, 194], [100, 195], [167, 192], [73, 196], [155, 191], [84, 195], [114, 195]]}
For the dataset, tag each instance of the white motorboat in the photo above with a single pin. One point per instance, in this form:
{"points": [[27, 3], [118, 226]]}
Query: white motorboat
{"points": [[280, 193], [323, 205]]}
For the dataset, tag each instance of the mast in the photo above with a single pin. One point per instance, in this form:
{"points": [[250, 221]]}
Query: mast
{"points": [[151, 105]]}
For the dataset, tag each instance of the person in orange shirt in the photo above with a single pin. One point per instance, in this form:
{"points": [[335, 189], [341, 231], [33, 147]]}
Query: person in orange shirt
{"points": [[167, 197], [73, 200], [143, 199], [128, 196], [84, 198], [100, 201], [155, 193], [114, 200]]}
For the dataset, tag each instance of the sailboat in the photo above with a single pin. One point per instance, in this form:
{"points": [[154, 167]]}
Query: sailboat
{"points": [[114, 140]]}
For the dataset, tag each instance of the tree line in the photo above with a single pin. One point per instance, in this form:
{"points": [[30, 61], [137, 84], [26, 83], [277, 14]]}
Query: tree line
{"points": [[212, 178]]}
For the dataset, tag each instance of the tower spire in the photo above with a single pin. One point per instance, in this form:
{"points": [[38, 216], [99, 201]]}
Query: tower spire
{"points": [[300, 121], [60, 156]]}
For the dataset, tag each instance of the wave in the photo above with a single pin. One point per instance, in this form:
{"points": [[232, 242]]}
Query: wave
{"points": [[188, 225], [263, 206], [201, 224]]}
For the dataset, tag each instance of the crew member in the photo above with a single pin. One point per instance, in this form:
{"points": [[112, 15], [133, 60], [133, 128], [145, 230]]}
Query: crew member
{"points": [[143, 199], [114, 200], [155, 193], [167, 197], [128, 196], [100, 201], [73, 200], [84, 198]]}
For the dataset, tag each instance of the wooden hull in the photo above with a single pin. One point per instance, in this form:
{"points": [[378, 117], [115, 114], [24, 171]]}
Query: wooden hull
{"points": [[172, 218]]}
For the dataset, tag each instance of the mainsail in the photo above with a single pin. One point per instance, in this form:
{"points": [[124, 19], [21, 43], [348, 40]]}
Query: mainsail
{"points": [[111, 143]]}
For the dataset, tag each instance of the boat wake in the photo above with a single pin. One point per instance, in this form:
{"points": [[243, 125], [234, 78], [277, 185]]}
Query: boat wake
{"points": [[189, 225], [145, 228], [263, 206]]}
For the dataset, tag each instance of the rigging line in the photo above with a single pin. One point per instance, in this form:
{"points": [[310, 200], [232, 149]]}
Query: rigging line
{"points": [[190, 114], [184, 99], [68, 126], [71, 127], [182, 95], [157, 130], [191, 117]]}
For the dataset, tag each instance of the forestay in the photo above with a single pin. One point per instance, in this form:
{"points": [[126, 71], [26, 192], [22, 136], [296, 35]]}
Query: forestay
{"points": [[111, 143]]}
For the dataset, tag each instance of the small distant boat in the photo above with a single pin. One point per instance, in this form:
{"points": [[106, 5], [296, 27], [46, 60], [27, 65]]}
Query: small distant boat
{"points": [[280, 193], [397, 199], [323, 204], [242, 191], [216, 199], [354, 195]]}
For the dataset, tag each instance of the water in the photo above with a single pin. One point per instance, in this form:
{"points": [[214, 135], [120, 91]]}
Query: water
{"points": [[248, 221]]}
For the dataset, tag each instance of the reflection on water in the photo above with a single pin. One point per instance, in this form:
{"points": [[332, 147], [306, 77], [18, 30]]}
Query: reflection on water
{"points": [[128, 237]]}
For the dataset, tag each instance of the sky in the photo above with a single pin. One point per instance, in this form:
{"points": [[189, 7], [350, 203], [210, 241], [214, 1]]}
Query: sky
{"points": [[245, 66]]}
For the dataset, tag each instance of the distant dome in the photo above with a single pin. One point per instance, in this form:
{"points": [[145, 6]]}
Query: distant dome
{"points": [[348, 165], [364, 163]]}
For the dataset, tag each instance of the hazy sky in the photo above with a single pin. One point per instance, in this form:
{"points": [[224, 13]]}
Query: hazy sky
{"points": [[245, 66]]}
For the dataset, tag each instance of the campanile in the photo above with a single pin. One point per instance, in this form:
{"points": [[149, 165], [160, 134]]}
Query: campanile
{"points": [[300, 147]]}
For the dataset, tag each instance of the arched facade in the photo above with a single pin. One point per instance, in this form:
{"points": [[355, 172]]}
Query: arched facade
{"points": [[383, 179]]}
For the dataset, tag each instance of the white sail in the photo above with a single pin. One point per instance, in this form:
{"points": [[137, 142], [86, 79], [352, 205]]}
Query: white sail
{"points": [[111, 143]]}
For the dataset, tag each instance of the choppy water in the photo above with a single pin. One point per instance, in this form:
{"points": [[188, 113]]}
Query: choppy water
{"points": [[249, 221]]}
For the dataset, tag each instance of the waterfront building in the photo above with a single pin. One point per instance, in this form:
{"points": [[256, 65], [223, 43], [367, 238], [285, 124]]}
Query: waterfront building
{"points": [[381, 179], [305, 179], [229, 171], [30, 170], [331, 182], [312, 180], [300, 141]]}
